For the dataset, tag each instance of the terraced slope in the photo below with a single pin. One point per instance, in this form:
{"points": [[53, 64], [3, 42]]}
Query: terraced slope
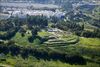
{"points": [[61, 40]]}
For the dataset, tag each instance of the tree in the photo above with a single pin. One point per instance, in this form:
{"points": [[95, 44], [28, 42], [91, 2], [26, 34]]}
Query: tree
{"points": [[37, 41], [34, 32]]}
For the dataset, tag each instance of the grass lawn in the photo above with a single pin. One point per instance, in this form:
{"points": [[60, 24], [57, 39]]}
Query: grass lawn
{"points": [[22, 40], [43, 33], [90, 42]]}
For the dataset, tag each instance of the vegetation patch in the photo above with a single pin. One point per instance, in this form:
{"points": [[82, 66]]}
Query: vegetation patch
{"points": [[90, 41]]}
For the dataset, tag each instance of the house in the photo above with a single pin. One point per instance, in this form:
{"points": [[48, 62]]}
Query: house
{"points": [[53, 30]]}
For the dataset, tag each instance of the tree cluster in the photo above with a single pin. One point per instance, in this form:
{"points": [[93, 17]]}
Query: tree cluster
{"points": [[15, 50]]}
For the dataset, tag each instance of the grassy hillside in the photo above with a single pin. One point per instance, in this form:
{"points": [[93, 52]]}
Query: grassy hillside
{"points": [[38, 41]]}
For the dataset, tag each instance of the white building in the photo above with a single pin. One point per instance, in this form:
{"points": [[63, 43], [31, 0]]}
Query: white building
{"points": [[23, 14], [22, 9]]}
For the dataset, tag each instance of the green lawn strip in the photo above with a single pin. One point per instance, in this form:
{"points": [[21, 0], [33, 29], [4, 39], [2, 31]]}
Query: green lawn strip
{"points": [[22, 40], [43, 33], [89, 41]]}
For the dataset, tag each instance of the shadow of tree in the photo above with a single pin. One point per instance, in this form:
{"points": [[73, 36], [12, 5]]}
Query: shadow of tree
{"points": [[42, 54]]}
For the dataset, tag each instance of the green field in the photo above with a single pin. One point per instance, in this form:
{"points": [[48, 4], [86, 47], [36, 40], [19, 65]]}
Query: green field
{"points": [[32, 62], [22, 40], [90, 42]]}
